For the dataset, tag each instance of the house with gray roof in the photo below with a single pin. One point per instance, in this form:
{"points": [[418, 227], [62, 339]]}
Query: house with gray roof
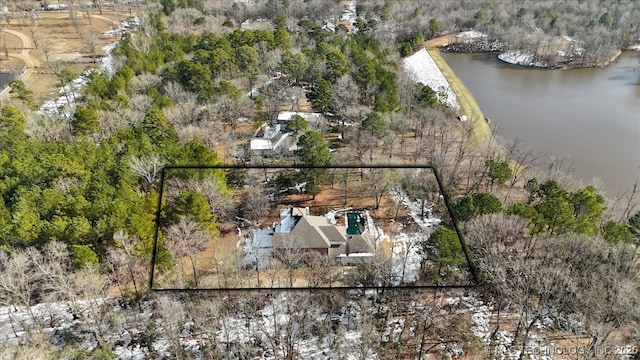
{"points": [[298, 230]]}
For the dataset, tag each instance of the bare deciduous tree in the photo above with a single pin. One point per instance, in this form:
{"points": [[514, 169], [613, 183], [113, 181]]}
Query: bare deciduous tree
{"points": [[145, 81], [73, 15], [118, 117], [32, 30], [553, 277], [378, 182], [559, 169], [91, 42], [523, 160], [187, 238], [123, 259], [148, 168], [181, 21], [344, 94], [48, 127], [174, 321], [291, 321], [219, 201], [255, 204], [229, 110], [17, 286]]}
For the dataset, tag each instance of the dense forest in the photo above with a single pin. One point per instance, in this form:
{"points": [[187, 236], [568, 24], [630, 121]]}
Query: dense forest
{"points": [[193, 82]]}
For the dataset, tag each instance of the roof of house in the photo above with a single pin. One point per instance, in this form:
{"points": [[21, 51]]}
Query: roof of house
{"points": [[297, 229], [286, 115], [333, 233], [360, 244], [272, 132], [261, 144], [271, 140]]}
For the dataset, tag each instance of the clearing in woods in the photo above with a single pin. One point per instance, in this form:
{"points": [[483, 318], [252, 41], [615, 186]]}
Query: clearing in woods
{"points": [[39, 41]]}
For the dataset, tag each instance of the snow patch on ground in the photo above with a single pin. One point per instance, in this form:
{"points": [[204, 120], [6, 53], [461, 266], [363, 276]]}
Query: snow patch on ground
{"points": [[482, 316], [349, 14], [519, 57], [65, 103], [123, 28], [273, 323], [415, 209], [265, 330], [529, 58], [421, 68], [406, 258], [471, 35], [331, 216], [106, 63], [17, 321], [375, 232]]}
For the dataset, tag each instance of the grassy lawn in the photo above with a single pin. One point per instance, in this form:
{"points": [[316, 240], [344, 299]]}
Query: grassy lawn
{"points": [[468, 104]]}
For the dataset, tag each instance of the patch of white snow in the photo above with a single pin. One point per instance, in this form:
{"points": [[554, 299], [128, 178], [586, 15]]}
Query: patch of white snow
{"points": [[421, 68]]}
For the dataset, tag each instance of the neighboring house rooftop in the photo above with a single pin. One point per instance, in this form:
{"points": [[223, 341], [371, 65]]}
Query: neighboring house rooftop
{"points": [[272, 139], [284, 116]]}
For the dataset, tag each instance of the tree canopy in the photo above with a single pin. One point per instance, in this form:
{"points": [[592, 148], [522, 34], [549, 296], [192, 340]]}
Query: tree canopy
{"points": [[444, 250]]}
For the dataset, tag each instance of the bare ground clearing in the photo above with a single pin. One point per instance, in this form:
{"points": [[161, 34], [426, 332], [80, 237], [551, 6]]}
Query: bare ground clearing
{"points": [[53, 38]]}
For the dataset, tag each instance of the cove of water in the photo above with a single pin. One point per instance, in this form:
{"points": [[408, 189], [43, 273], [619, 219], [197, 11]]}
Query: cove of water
{"points": [[593, 115]]}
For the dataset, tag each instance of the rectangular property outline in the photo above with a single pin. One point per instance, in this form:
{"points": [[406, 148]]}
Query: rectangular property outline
{"points": [[443, 192]]}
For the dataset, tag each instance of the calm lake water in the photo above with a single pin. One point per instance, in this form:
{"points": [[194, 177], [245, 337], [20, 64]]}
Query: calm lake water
{"points": [[4, 80], [593, 115]]}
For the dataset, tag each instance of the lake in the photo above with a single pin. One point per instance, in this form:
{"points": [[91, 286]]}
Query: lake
{"points": [[593, 115], [4, 80]]}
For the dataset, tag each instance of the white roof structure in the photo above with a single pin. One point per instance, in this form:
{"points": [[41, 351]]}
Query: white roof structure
{"points": [[261, 144], [271, 140], [310, 117], [272, 132]]}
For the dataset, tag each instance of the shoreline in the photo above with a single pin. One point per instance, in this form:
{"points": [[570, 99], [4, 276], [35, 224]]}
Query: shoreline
{"points": [[556, 66], [451, 40], [623, 70], [481, 133], [4, 86]]}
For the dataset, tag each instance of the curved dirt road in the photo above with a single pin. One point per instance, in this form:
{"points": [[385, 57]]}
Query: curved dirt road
{"points": [[24, 53]]}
